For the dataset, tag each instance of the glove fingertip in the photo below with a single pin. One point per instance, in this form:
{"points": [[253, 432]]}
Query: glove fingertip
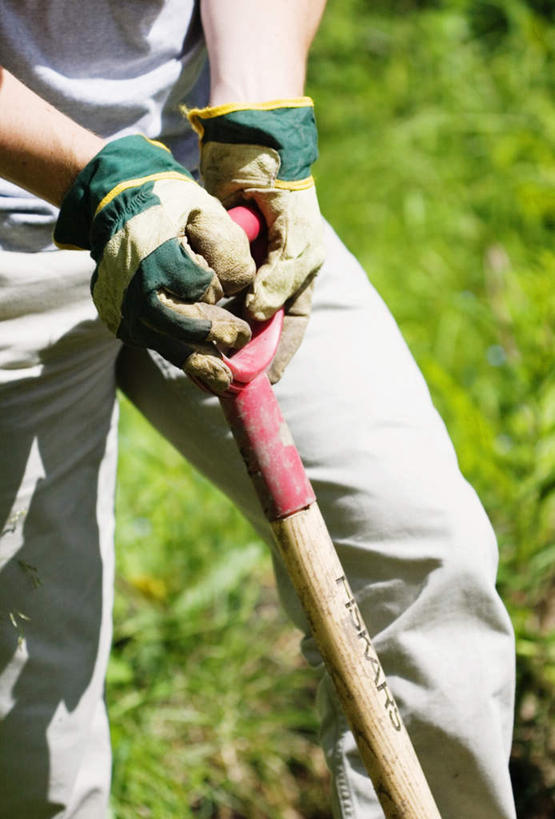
{"points": [[210, 370]]}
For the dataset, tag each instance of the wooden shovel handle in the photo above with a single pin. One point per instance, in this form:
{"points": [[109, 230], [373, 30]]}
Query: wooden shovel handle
{"points": [[352, 662], [309, 556]]}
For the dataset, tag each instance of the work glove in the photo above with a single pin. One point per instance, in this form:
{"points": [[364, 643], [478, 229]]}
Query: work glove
{"points": [[262, 153], [165, 251]]}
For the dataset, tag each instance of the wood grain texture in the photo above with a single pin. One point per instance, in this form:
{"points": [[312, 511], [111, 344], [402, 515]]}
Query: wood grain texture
{"points": [[342, 638]]}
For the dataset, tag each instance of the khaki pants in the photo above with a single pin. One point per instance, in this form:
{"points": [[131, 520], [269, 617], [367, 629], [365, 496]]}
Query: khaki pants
{"points": [[412, 536]]}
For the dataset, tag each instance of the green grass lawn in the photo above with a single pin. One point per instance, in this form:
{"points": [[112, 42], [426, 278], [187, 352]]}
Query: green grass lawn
{"points": [[436, 135]]}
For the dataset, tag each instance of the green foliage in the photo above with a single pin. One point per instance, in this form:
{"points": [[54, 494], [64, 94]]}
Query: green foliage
{"points": [[436, 138], [211, 708]]}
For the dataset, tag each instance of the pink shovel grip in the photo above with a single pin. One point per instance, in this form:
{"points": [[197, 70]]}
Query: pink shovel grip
{"points": [[254, 415], [249, 219], [257, 355]]}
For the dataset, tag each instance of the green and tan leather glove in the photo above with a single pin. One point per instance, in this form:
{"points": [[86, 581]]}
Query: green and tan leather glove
{"points": [[263, 153], [165, 251]]}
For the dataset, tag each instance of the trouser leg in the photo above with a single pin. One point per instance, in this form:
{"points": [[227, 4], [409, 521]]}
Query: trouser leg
{"points": [[411, 534], [58, 457]]}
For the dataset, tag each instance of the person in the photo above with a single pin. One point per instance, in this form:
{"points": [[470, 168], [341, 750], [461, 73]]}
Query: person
{"points": [[104, 107]]}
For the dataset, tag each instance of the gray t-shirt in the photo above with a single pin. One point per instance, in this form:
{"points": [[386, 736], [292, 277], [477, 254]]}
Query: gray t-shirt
{"points": [[115, 66]]}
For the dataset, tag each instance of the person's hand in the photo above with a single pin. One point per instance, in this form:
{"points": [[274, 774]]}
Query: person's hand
{"points": [[263, 153], [165, 251]]}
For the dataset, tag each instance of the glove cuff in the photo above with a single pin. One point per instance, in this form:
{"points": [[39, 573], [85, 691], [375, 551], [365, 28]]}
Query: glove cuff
{"points": [[287, 126], [119, 166]]}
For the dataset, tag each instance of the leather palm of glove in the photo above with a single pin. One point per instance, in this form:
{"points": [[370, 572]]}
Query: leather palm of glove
{"points": [[263, 153], [165, 251]]}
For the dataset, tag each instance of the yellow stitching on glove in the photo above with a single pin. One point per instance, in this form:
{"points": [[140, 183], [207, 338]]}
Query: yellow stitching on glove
{"points": [[295, 185], [230, 107], [158, 144], [134, 183]]}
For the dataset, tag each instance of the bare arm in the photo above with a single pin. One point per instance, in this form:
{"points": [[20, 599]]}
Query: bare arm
{"points": [[258, 48], [257, 51], [41, 149]]}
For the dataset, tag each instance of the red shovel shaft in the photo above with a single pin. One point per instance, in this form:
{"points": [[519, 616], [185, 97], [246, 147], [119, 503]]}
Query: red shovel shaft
{"points": [[271, 458], [255, 418], [309, 556]]}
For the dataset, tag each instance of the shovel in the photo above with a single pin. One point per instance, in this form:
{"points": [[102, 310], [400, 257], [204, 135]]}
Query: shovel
{"points": [[307, 551]]}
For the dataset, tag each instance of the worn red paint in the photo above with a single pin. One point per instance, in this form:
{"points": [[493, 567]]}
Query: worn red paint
{"points": [[270, 455], [255, 418]]}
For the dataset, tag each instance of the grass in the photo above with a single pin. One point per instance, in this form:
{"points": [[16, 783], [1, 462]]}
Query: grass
{"points": [[204, 666], [436, 135]]}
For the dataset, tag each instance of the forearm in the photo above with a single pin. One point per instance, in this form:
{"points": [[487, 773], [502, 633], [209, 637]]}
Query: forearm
{"points": [[41, 149], [258, 48]]}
